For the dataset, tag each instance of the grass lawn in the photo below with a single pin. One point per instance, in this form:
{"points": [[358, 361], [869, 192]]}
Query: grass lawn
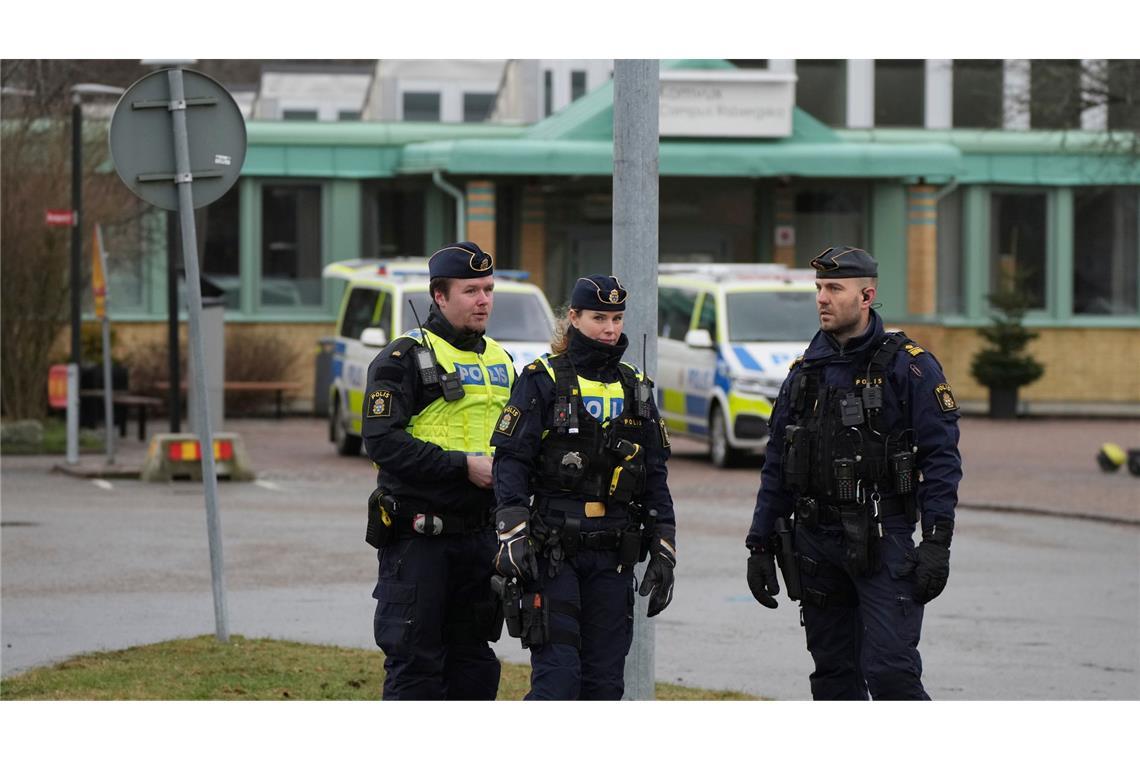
{"points": [[203, 668]]}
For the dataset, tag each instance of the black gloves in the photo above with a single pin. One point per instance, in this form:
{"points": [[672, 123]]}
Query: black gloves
{"points": [[931, 563], [762, 576], [516, 557], [658, 579]]}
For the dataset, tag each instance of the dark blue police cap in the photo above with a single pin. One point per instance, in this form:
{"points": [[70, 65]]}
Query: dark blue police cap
{"points": [[844, 261], [600, 292], [463, 261]]}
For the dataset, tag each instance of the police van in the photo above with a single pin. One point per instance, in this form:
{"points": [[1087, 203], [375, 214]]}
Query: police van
{"points": [[727, 334], [375, 310]]}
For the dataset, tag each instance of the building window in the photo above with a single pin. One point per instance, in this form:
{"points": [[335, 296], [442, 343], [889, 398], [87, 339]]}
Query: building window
{"points": [[221, 251], [1124, 95], [577, 85], [826, 217], [348, 115], [821, 90], [1055, 94], [900, 87], [421, 106], [477, 105], [950, 254], [291, 245], [1105, 250], [978, 94], [547, 92], [1018, 243], [299, 114]]}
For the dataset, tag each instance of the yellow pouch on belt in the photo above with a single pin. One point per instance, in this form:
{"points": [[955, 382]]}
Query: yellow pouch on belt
{"points": [[595, 509]]}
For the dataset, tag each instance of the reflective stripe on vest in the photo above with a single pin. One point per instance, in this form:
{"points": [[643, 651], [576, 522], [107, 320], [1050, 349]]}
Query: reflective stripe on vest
{"points": [[605, 401], [466, 424]]}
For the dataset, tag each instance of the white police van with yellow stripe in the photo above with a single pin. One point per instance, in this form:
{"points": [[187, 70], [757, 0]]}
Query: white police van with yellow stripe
{"points": [[727, 334], [374, 310]]}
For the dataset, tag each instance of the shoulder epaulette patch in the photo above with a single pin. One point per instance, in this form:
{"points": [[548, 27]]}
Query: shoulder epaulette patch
{"points": [[796, 362], [945, 396], [913, 349], [664, 433]]}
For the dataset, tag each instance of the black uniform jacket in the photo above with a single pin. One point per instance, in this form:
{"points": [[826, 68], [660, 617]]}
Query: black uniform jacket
{"points": [[516, 455], [914, 376], [418, 474]]}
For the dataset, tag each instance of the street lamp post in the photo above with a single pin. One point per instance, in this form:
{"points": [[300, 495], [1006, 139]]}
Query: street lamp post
{"points": [[77, 93]]}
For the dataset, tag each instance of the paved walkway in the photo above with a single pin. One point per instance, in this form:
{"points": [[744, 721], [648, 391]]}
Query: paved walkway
{"points": [[1032, 465]]}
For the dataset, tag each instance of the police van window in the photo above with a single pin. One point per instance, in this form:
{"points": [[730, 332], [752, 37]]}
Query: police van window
{"points": [[515, 316], [772, 316], [358, 313], [674, 312], [707, 320]]}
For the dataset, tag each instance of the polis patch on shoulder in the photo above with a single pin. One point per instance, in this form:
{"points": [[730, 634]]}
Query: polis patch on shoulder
{"points": [[664, 433], [379, 404], [508, 420], [945, 396]]}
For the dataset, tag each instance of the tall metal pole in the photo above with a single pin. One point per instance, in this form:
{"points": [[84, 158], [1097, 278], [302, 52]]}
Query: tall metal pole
{"points": [[636, 96], [183, 179], [174, 398], [76, 276]]}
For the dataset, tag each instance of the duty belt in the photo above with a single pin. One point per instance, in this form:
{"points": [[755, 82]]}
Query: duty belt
{"points": [[809, 511]]}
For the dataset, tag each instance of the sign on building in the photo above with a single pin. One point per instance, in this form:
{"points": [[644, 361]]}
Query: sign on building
{"points": [[727, 103]]}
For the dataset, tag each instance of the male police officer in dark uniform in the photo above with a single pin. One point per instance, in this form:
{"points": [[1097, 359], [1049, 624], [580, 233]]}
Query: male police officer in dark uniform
{"points": [[432, 400], [864, 440]]}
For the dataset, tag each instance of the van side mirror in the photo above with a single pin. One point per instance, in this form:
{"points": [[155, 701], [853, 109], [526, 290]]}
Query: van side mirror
{"points": [[374, 337], [698, 339]]}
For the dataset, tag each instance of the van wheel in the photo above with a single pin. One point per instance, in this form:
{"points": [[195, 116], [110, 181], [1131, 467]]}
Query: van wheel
{"points": [[722, 453], [347, 444]]}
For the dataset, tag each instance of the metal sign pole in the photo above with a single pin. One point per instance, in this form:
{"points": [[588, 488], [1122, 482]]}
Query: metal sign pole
{"points": [[76, 279], [183, 179], [636, 97], [108, 389]]}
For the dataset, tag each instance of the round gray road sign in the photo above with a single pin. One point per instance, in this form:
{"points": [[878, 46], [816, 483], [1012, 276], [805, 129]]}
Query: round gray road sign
{"points": [[142, 139]]}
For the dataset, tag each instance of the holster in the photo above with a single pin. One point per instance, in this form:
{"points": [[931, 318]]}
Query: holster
{"points": [[525, 613], [381, 528], [788, 560]]}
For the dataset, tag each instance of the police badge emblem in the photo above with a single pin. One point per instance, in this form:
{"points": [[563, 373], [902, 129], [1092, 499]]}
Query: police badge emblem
{"points": [[380, 404], [508, 421], [615, 297], [945, 396]]}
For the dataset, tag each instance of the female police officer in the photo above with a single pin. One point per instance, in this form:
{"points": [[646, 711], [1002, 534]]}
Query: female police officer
{"points": [[581, 434]]}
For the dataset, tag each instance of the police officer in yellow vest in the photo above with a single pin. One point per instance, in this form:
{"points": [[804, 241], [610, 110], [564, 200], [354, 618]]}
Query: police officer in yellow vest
{"points": [[433, 397], [580, 469]]}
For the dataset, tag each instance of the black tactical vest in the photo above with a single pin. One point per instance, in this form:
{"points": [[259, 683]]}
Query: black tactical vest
{"points": [[579, 454], [838, 448]]}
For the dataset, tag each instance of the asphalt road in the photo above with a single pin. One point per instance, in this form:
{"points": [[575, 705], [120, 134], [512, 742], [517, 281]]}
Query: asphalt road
{"points": [[1038, 607]]}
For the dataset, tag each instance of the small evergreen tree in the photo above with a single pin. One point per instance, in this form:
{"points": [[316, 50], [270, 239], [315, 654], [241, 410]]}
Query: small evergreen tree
{"points": [[1004, 363]]}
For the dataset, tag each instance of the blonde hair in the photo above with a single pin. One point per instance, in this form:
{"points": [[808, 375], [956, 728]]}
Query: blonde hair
{"points": [[560, 338]]}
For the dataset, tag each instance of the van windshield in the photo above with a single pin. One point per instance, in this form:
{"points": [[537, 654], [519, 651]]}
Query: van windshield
{"points": [[515, 316], [784, 316]]}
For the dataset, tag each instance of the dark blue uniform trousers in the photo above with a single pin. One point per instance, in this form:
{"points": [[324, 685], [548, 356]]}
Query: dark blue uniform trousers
{"points": [[864, 637], [589, 582], [434, 601]]}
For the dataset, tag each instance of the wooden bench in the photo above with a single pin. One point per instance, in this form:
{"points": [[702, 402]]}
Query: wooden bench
{"points": [[128, 401], [279, 387]]}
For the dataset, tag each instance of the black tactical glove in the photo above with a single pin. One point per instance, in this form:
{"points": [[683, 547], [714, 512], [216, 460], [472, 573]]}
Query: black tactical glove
{"points": [[658, 579], [516, 557], [762, 580], [931, 563]]}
